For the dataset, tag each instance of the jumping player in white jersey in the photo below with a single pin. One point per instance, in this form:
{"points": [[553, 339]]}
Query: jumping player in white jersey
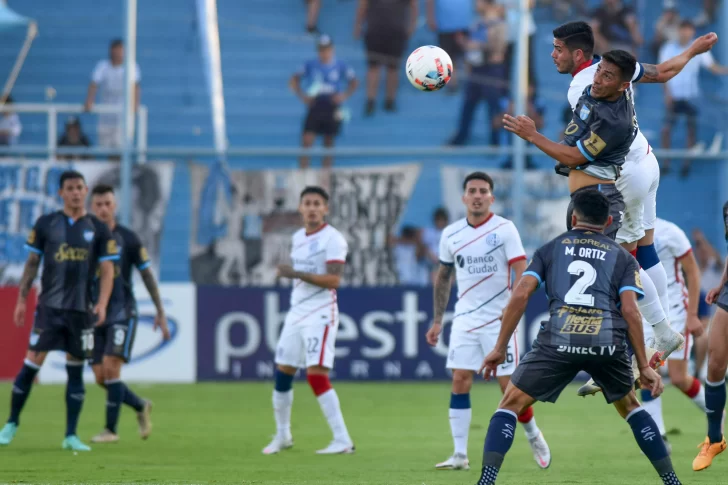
{"points": [[676, 255], [481, 249], [307, 341], [640, 176]]}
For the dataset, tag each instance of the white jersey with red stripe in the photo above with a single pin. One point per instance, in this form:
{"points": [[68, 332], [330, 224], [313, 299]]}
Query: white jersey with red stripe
{"points": [[482, 256], [672, 245], [310, 252], [583, 77]]}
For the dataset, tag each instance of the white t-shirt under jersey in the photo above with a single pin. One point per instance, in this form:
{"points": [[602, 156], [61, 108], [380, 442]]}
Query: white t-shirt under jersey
{"points": [[310, 253], [672, 244], [482, 256], [583, 78]]}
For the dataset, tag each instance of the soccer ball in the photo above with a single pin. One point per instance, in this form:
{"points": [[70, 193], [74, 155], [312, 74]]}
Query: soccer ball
{"points": [[429, 68]]}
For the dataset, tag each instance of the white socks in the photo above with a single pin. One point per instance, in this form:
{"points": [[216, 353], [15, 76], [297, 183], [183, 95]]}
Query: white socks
{"points": [[699, 399], [460, 427], [282, 405], [650, 305], [659, 279], [331, 408], [531, 429], [654, 407]]}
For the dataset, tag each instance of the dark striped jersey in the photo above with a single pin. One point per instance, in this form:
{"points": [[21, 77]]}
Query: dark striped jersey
{"points": [[71, 252], [603, 131], [584, 273], [122, 304]]}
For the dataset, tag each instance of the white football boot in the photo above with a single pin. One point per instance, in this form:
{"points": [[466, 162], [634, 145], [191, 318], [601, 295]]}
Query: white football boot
{"points": [[337, 448], [541, 451], [457, 461], [278, 444], [667, 342]]}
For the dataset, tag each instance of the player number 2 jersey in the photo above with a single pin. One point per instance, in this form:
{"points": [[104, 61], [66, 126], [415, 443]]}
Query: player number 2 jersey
{"points": [[672, 244], [482, 257], [309, 254], [584, 77]]}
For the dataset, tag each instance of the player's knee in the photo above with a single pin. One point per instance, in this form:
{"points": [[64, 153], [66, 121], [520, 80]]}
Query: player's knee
{"points": [[462, 381], [515, 400], [37, 358], [716, 368], [319, 383], [112, 367], [99, 375]]}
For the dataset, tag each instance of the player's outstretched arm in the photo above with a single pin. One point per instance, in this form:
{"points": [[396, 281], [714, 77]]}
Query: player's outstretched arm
{"points": [[330, 280], [441, 295], [515, 309], [663, 72], [26, 282], [525, 128], [692, 276], [633, 317]]}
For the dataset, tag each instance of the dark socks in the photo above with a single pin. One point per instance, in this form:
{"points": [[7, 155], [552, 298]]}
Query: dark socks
{"points": [[498, 441], [114, 397], [648, 438], [715, 403], [75, 394], [131, 399], [21, 390]]}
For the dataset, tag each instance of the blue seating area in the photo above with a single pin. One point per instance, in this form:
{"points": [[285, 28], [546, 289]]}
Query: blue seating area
{"points": [[263, 42]]}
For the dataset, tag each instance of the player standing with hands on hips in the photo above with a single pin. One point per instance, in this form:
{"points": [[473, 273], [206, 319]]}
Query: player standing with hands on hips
{"points": [[308, 338], [481, 250], [592, 285], [71, 243]]}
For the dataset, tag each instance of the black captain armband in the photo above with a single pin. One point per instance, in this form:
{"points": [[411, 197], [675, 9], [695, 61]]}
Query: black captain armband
{"points": [[562, 169]]}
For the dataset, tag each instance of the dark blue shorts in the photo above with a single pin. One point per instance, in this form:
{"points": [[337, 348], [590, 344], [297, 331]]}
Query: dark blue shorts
{"points": [[67, 330], [115, 339]]}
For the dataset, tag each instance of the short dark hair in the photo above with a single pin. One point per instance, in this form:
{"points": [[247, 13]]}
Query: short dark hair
{"points": [[70, 175], [102, 189], [576, 35], [478, 176], [313, 189], [116, 43], [625, 61], [687, 23], [592, 207], [440, 213]]}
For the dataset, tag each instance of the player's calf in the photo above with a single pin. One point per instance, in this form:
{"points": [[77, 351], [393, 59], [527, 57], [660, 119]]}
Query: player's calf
{"points": [[689, 385], [318, 379]]}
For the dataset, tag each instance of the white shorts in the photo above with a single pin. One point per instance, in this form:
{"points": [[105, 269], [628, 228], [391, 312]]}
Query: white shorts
{"points": [[677, 324], [467, 350], [638, 184], [313, 343], [109, 135]]}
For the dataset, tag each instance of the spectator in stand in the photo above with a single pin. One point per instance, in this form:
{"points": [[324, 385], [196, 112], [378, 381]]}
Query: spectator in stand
{"points": [[73, 136], [451, 20], [10, 126], [513, 21], [682, 92], [431, 238], [487, 80], [389, 25], [108, 80], [615, 27], [536, 110], [667, 27], [707, 14], [324, 95], [410, 258], [711, 266], [313, 7]]}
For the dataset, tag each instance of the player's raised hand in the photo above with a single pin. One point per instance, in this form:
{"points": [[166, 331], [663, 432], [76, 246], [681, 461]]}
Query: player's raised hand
{"points": [[433, 334], [490, 364], [704, 43], [160, 322], [651, 381], [695, 326], [522, 126], [19, 314], [100, 312]]}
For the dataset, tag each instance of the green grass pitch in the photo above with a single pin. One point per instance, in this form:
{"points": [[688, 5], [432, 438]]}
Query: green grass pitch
{"points": [[213, 433]]}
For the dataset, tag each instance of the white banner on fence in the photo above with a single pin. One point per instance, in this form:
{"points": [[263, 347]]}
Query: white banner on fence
{"points": [[152, 358], [547, 200], [29, 189], [242, 221]]}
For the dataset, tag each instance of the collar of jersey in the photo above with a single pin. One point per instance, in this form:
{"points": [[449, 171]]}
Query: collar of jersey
{"points": [[482, 223], [317, 230], [586, 64]]}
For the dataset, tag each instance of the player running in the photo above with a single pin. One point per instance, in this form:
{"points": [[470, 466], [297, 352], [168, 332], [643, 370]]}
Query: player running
{"points": [[715, 394], [114, 339], [309, 332], [640, 174], [676, 255], [592, 284], [482, 249], [72, 245]]}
